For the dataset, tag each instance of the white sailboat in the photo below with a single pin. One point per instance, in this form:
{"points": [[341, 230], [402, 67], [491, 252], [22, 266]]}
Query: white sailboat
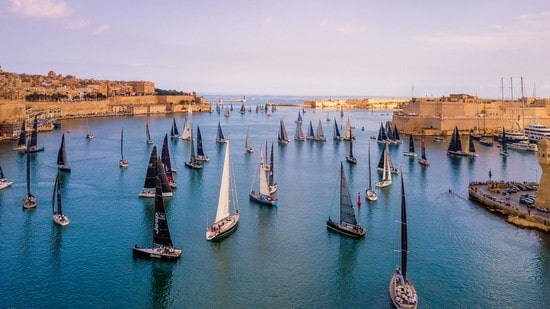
{"points": [[347, 132], [189, 110], [247, 146], [225, 223], [4, 183], [123, 163], [386, 174], [319, 134], [371, 194], [149, 140], [186, 136], [263, 196], [58, 216]]}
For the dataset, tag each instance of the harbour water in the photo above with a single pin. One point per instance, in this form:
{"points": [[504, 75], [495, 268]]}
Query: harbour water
{"points": [[460, 255]]}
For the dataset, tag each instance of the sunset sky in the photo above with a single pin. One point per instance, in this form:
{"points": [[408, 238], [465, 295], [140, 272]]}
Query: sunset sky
{"points": [[324, 48]]}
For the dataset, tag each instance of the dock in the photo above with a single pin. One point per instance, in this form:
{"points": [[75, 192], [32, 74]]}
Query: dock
{"points": [[497, 197]]}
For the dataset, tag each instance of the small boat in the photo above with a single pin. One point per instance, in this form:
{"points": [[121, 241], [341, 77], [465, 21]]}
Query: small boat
{"points": [[347, 133], [370, 193], [411, 152], [396, 137], [471, 148], [271, 184], [282, 135], [389, 134], [89, 134], [341, 112], [225, 223], [200, 151], [299, 135], [438, 139], [123, 163], [310, 134], [524, 145], [455, 146], [402, 291], [386, 173], [265, 165], [174, 132], [299, 119], [328, 117], [263, 196], [154, 170], [58, 216], [62, 157], [22, 142], [226, 112], [351, 159], [219, 136], [149, 140], [319, 134], [504, 149], [32, 146], [243, 109], [167, 163], [186, 136], [193, 163], [189, 110], [29, 201], [4, 182], [247, 146], [348, 223], [336, 133], [162, 247], [486, 142], [385, 156], [423, 160]]}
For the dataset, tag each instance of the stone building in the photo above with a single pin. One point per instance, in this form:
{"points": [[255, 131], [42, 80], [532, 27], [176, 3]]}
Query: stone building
{"points": [[543, 193]]}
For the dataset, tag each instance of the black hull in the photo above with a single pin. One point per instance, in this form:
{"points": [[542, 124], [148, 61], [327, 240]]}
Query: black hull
{"points": [[337, 227], [152, 254], [195, 166]]}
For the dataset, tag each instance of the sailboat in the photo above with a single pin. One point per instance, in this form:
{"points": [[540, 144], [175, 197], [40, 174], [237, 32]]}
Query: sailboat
{"points": [[271, 184], [402, 292], [371, 194], [62, 157], [225, 223], [29, 201], [319, 134], [149, 140], [167, 163], [382, 138], [389, 133], [347, 133], [226, 112], [265, 165], [341, 112], [351, 159], [310, 133], [263, 196], [162, 247], [385, 156], [348, 223], [200, 151], [299, 135], [396, 137], [123, 163], [154, 170], [411, 152], [423, 160], [89, 134], [282, 136], [455, 146], [58, 216], [247, 146], [174, 132], [22, 142], [243, 109], [219, 136], [33, 143], [193, 163], [186, 136], [336, 132], [4, 182], [504, 149], [189, 110], [386, 174], [471, 148], [299, 119]]}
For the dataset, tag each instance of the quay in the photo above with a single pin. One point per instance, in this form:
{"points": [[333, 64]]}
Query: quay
{"points": [[497, 197]]}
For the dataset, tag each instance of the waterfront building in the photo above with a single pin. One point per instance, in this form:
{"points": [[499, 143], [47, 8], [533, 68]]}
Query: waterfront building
{"points": [[543, 193]]}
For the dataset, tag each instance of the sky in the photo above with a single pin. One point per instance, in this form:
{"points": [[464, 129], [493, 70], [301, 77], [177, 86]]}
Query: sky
{"points": [[371, 48]]}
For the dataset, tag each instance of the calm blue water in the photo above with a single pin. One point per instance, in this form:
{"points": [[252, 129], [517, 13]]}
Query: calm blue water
{"points": [[460, 254]]}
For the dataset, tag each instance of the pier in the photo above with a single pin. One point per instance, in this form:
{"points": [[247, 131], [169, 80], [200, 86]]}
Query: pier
{"points": [[498, 197]]}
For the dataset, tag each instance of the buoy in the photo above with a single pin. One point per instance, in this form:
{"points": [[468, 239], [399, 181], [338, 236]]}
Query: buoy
{"points": [[359, 199]]}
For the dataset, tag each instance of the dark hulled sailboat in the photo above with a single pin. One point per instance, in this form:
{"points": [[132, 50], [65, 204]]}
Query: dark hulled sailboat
{"points": [[411, 152], [29, 201], [22, 141], [154, 169], [219, 136], [166, 163], [200, 150]]}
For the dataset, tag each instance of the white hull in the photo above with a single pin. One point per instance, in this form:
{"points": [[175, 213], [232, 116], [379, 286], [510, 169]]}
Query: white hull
{"points": [[371, 195], [123, 163], [158, 253], [4, 183], [61, 219], [272, 189], [383, 183], [223, 227], [410, 154], [403, 295], [151, 193], [202, 158], [29, 202]]}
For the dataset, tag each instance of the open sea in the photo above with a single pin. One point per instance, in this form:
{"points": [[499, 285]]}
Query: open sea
{"points": [[460, 255]]}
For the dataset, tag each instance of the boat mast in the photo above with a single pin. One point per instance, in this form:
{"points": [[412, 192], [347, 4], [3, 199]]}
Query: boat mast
{"points": [[370, 180], [28, 171], [404, 246], [121, 143]]}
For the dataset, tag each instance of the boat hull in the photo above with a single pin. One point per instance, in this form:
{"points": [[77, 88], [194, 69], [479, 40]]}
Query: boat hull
{"points": [[402, 295], [223, 228], [157, 253], [202, 158], [351, 160], [383, 183], [424, 162], [345, 229], [64, 168], [4, 183], [29, 202], [34, 149], [61, 219], [123, 163], [263, 199], [371, 195], [151, 193], [410, 154], [193, 165]]}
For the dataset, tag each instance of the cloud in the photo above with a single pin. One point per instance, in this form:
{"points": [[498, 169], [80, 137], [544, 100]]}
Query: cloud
{"points": [[38, 8], [102, 28]]}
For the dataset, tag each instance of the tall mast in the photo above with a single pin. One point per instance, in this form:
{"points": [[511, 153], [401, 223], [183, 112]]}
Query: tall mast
{"points": [[404, 247], [522, 105]]}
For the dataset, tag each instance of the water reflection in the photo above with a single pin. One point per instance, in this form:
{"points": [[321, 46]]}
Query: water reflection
{"points": [[347, 263], [161, 285]]}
